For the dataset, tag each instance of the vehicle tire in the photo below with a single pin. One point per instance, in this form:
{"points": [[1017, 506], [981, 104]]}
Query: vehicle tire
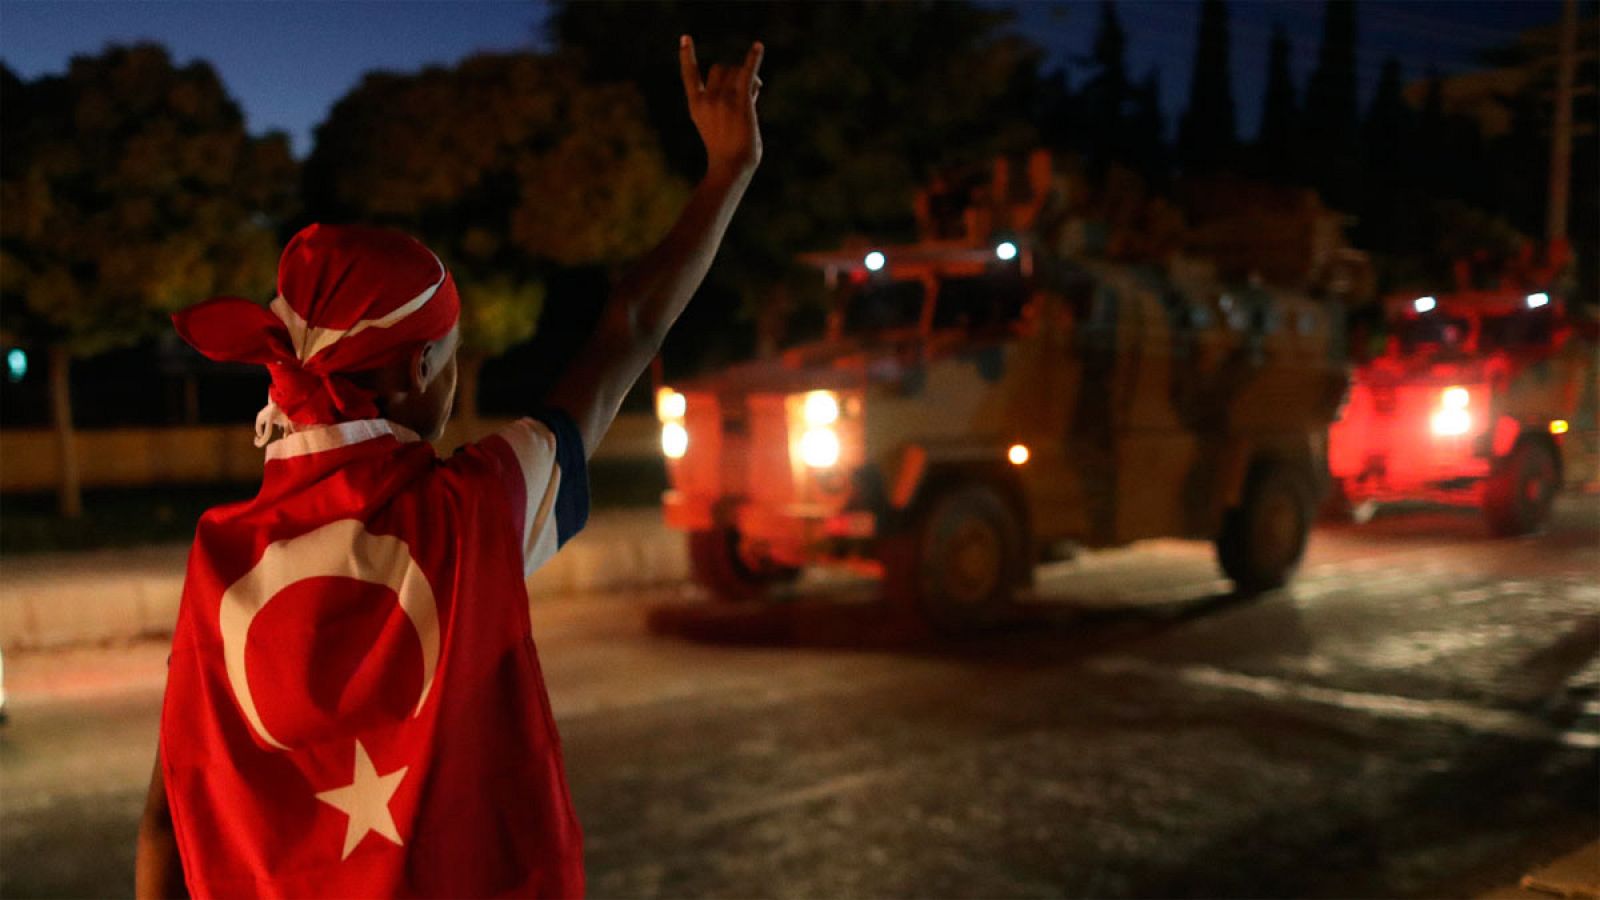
{"points": [[959, 562], [718, 566], [1264, 537], [1517, 497]]}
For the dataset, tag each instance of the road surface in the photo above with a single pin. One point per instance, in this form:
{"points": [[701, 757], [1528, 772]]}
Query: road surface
{"points": [[1416, 716]]}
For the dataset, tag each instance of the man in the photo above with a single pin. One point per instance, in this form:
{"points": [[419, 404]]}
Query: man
{"points": [[354, 704]]}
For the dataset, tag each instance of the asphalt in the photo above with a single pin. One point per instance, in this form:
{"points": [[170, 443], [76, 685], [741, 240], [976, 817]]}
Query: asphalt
{"points": [[1417, 716]]}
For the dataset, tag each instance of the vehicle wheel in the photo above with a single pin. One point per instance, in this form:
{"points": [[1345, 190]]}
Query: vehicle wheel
{"points": [[1517, 497], [1264, 536], [719, 567], [960, 561]]}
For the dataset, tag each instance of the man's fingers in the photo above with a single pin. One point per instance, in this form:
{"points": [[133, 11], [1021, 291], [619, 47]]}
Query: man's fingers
{"points": [[750, 72], [736, 83], [690, 67]]}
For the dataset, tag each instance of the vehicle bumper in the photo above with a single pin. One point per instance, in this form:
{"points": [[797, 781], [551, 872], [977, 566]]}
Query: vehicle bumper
{"points": [[1439, 469], [796, 524]]}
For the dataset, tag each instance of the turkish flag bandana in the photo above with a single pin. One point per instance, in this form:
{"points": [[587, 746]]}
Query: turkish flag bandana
{"points": [[351, 298]]}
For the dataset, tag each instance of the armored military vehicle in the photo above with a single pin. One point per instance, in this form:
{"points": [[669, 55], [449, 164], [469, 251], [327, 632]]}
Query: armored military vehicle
{"points": [[973, 407], [1481, 397]]}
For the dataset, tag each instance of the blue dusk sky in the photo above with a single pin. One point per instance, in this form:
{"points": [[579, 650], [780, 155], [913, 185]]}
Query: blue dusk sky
{"points": [[286, 62]]}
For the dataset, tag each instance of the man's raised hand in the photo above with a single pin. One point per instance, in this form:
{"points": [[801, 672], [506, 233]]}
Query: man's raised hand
{"points": [[723, 107]]}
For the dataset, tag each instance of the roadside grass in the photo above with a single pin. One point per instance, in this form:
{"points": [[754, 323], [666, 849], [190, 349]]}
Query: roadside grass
{"points": [[163, 514]]}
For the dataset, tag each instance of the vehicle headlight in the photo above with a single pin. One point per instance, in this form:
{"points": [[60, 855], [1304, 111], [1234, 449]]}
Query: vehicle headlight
{"points": [[819, 447], [670, 409], [1451, 422], [820, 408], [674, 440], [670, 405], [1452, 417]]}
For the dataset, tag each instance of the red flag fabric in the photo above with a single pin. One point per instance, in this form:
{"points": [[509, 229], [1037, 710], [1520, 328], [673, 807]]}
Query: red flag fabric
{"points": [[351, 298], [355, 706]]}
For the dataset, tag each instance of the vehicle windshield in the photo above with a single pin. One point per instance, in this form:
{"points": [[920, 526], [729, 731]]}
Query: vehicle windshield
{"points": [[880, 306], [980, 303], [1518, 330], [1436, 330]]}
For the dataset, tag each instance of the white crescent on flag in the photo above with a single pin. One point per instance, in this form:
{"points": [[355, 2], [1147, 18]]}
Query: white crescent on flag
{"points": [[341, 548]]}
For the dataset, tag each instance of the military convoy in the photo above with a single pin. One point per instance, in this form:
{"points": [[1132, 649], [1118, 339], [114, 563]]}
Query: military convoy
{"points": [[974, 407], [1044, 369]]}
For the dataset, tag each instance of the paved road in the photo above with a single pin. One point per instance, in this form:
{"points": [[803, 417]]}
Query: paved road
{"points": [[1417, 716]]}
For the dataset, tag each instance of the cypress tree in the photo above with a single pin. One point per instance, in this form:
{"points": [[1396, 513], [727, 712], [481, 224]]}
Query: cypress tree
{"points": [[1386, 141], [1386, 133], [1149, 151], [1054, 112], [1332, 113], [1276, 140], [1107, 92], [1207, 136], [1426, 172]]}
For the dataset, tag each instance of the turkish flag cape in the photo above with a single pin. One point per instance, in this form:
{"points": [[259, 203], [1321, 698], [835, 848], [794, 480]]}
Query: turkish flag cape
{"points": [[355, 707]]}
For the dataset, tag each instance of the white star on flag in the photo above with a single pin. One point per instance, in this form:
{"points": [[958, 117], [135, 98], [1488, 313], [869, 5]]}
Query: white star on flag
{"points": [[366, 801]]}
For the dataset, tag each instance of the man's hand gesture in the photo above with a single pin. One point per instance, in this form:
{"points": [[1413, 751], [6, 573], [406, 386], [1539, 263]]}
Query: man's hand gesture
{"points": [[723, 108], [651, 294]]}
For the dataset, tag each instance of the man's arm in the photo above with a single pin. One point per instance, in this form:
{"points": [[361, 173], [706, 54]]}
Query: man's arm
{"points": [[647, 300], [158, 872]]}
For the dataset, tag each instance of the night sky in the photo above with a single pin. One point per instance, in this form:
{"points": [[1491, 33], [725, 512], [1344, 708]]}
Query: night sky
{"points": [[287, 62]]}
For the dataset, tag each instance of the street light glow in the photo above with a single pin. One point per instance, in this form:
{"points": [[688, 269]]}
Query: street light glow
{"points": [[17, 363], [874, 261], [1006, 251], [1537, 300], [1424, 304]]}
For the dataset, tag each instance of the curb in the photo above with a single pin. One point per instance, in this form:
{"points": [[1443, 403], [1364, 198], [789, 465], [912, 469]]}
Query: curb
{"points": [[65, 599]]}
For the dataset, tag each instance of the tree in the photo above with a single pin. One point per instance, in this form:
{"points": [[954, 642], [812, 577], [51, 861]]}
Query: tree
{"points": [[130, 189], [1054, 112], [1386, 143], [1106, 93], [1426, 169], [1277, 140], [1332, 112], [1515, 175], [506, 165], [1208, 135], [863, 102], [1148, 153]]}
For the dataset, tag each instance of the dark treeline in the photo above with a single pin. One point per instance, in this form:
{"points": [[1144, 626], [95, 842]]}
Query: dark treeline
{"points": [[131, 187], [1422, 185]]}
